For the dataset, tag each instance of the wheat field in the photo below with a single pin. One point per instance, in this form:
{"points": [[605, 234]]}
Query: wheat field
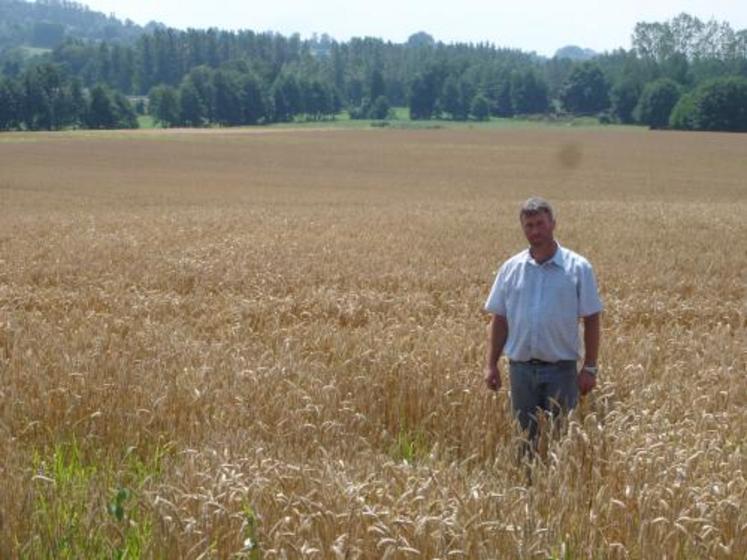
{"points": [[242, 344]]}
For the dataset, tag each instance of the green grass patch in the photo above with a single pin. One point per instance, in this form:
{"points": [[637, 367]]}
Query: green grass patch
{"points": [[410, 446], [146, 121], [400, 119], [401, 113], [251, 549], [84, 506]]}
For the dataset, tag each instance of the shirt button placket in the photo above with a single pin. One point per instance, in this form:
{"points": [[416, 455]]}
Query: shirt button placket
{"points": [[536, 310]]}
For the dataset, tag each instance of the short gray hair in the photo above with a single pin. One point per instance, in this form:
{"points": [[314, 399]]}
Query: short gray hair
{"points": [[535, 205]]}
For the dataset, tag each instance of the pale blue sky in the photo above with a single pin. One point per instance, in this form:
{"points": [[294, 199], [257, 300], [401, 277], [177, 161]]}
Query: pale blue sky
{"points": [[531, 25]]}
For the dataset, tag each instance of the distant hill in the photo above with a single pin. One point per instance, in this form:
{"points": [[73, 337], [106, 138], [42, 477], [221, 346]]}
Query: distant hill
{"points": [[573, 52], [47, 23]]}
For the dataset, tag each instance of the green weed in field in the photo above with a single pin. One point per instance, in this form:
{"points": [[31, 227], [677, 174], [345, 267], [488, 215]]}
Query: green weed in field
{"points": [[68, 518], [411, 446]]}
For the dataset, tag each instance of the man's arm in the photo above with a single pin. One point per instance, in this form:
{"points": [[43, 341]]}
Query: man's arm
{"points": [[592, 333], [497, 335]]}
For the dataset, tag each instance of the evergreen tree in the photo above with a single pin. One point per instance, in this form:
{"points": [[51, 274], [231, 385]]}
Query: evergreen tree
{"points": [[201, 78], [42, 92], [122, 68], [62, 108], [168, 68], [124, 114], [556, 72], [450, 100], [192, 108], [146, 64], [77, 102], [286, 96], [101, 111], [253, 100], [377, 86], [424, 94], [480, 107], [318, 100], [380, 109], [467, 91], [103, 67], [228, 106], [503, 105], [355, 91], [528, 93], [10, 105], [164, 107]]}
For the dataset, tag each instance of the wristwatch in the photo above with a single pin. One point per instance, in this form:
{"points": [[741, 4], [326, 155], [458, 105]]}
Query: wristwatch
{"points": [[592, 370]]}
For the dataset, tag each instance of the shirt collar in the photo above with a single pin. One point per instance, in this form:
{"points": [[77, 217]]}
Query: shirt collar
{"points": [[557, 258]]}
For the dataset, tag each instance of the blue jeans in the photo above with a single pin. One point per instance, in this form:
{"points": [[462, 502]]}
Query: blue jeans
{"points": [[551, 388]]}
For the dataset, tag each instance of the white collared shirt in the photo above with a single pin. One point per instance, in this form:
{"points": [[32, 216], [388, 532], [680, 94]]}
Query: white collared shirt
{"points": [[542, 304]]}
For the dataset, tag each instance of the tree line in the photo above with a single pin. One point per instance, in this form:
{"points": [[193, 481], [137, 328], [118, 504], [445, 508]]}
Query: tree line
{"points": [[234, 95], [46, 98], [682, 73]]}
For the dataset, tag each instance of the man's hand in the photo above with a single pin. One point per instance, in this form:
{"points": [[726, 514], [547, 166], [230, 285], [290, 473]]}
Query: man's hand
{"points": [[586, 382], [493, 378], [497, 334]]}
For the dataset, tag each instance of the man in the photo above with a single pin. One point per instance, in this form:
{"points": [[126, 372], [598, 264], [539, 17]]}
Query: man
{"points": [[537, 299]]}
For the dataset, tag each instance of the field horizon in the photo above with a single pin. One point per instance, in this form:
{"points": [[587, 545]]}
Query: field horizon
{"points": [[399, 119]]}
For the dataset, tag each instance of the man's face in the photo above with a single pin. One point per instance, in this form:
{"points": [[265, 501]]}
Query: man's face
{"points": [[538, 228]]}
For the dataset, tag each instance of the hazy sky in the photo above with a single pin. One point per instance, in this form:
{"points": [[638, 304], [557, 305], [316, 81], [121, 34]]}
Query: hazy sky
{"points": [[531, 25]]}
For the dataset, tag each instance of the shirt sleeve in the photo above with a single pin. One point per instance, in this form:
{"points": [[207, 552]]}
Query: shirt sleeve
{"points": [[588, 295], [496, 302]]}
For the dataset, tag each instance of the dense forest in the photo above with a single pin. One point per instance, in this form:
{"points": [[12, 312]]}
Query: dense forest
{"points": [[45, 23], [681, 73]]}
